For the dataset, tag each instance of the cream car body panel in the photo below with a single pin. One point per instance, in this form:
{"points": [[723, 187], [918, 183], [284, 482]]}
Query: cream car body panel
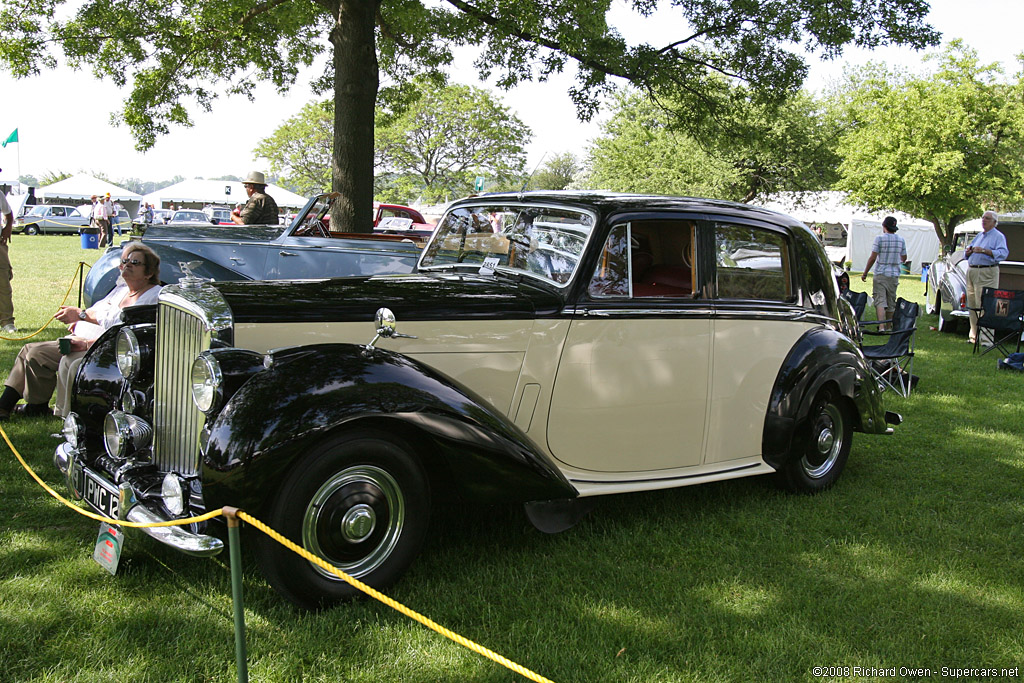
{"points": [[626, 399], [742, 382]]}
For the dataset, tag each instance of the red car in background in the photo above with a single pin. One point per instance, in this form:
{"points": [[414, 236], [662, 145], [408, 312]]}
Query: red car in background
{"points": [[395, 219]]}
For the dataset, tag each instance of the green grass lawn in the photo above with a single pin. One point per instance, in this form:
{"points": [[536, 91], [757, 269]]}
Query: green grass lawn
{"points": [[912, 560]]}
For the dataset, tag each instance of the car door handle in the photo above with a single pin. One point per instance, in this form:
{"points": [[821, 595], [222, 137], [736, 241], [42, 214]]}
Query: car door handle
{"points": [[238, 260], [287, 253]]}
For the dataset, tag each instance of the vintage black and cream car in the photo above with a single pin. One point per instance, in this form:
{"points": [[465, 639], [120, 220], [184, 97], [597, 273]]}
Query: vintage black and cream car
{"points": [[549, 348]]}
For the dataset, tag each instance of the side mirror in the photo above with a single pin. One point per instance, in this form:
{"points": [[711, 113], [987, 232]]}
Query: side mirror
{"points": [[214, 221]]}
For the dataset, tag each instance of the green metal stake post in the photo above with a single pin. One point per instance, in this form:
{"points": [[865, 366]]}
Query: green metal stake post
{"points": [[235, 551]]}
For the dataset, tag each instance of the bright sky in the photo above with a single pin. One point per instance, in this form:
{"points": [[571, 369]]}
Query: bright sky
{"points": [[63, 117]]}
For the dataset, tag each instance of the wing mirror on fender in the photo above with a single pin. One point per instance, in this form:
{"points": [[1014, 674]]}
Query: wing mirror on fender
{"points": [[386, 326]]}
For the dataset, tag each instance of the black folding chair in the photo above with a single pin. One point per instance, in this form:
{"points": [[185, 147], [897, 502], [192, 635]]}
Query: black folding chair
{"points": [[858, 300], [1002, 311], [893, 362]]}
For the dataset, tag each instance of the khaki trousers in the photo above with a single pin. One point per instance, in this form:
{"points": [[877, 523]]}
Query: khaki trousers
{"points": [[65, 378], [34, 374], [6, 293], [976, 279]]}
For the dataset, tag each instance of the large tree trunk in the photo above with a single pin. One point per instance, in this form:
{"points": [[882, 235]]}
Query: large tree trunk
{"points": [[355, 98]]}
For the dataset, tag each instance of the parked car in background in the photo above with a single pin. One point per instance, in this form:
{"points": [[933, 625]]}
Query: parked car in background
{"points": [[550, 348], [190, 216], [947, 277], [219, 215], [303, 249], [51, 219]]}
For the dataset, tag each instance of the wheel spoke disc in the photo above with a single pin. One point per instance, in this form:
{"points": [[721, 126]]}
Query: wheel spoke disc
{"points": [[354, 520], [826, 441]]}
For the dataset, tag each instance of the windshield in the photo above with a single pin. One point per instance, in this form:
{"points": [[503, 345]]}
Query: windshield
{"points": [[39, 210], [540, 241]]}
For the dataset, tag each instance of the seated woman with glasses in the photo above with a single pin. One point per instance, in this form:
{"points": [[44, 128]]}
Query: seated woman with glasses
{"points": [[35, 372]]}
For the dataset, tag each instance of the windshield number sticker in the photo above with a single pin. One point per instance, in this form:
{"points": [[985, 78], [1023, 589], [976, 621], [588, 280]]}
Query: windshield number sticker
{"points": [[488, 266]]}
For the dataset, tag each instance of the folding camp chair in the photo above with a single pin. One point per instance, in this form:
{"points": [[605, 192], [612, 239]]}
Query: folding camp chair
{"points": [[858, 300], [1002, 311], [893, 362]]}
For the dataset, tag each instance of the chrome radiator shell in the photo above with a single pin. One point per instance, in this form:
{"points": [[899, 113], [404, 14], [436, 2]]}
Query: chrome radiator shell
{"points": [[189, 317]]}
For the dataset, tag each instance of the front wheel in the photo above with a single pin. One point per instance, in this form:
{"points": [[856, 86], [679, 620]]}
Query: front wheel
{"points": [[31, 230], [362, 503], [821, 446]]}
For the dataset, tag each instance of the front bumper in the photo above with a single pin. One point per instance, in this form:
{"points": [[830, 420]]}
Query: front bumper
{"points": [[129, 508]]}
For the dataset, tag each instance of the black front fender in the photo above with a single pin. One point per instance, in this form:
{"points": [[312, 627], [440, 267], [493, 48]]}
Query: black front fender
{"points": [[822, 356], [308, 393]]}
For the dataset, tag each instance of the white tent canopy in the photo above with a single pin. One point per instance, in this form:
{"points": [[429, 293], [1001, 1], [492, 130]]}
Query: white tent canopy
{"points": [[83, 186], [197, 193], [861, 225]]}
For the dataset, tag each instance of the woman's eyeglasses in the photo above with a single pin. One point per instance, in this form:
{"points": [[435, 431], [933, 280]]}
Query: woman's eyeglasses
{"points": [[131, 262]]}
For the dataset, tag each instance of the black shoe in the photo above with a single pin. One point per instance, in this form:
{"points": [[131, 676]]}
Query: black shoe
{"points": [[32, 409]]}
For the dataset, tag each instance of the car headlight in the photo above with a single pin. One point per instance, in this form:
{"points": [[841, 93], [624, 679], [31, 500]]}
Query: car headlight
{"points": [[123, 433], [207, 383], [173, 494], [72, 430], [129, 353]]}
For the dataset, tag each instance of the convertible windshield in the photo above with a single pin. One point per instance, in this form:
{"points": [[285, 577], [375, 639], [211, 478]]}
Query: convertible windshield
{"points": [[545, 242]]}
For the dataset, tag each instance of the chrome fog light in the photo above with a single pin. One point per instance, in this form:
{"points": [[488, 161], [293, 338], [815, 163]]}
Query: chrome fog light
{"points": [[123, 433], [173, 494], [129, 354], [207, 383], [128, 402], [72, 430]]}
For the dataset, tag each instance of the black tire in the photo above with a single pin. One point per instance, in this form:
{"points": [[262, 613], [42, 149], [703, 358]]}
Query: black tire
{"points": [[821, 446], [361, 501], [946, 324], [31, 230]]}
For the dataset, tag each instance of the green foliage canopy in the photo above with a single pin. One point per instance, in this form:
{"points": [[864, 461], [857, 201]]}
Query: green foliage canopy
{"points": [[299, 150], [435, 147], [756, 149], [944, 147], [172, 54]]}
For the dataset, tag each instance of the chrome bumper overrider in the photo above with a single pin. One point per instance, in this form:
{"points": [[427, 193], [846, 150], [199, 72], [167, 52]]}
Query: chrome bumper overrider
{"points": [[200, 545]]}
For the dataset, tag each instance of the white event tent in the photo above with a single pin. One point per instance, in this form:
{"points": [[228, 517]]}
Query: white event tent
{"points": [[79, 188], [861, 226], [197, 193]]}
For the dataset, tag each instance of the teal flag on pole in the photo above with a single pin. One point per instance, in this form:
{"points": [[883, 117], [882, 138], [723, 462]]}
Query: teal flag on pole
{"points": [[13, 137]]}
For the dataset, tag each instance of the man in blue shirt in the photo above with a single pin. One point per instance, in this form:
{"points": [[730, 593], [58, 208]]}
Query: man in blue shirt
{"points": [[985, 252], [890, 250]]}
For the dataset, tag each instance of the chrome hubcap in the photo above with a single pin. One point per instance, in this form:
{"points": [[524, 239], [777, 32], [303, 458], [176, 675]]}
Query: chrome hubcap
{"points": [[358, 523]]}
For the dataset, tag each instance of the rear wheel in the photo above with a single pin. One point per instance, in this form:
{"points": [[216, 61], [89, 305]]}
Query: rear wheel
{"points": [[361, 502], [946, 323], [820, 447]]}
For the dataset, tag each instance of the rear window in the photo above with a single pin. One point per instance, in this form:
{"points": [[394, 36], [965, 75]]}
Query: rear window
{"points": [[752, 263]]}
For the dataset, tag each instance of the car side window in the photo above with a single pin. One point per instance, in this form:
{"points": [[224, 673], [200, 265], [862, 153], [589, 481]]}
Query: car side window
{"points": [[752, 263], [652, 258]]}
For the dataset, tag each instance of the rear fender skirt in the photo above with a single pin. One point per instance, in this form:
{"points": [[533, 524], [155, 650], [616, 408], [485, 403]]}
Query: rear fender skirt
{"points": [[308, 393], [821, 356]]}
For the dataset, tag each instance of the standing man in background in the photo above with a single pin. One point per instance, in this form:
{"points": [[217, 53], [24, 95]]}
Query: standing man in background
{"points": [[890, 250], [985, 252], [6, 272]]}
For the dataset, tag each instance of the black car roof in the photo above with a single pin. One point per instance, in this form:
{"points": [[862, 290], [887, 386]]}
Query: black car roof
{"points": [[603, 203]]}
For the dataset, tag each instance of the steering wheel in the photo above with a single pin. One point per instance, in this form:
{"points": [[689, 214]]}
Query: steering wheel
{"points": [[312, 228]]}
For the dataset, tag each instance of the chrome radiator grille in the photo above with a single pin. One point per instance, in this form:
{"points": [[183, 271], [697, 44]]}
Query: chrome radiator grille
{"points": [[180, 337]]}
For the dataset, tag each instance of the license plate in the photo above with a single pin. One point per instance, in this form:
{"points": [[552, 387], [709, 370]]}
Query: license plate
{"points": [[99, 493]]}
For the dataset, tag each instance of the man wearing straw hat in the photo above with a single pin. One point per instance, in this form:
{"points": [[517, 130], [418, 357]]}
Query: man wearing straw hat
{"points": [[261, 209]]}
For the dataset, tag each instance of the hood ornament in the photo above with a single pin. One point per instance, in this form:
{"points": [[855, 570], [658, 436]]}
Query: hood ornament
{"points": [[191, 280]]}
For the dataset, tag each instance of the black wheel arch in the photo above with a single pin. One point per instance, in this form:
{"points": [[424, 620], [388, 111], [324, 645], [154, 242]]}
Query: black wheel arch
{"points": [[821, 357], [311, 394]]}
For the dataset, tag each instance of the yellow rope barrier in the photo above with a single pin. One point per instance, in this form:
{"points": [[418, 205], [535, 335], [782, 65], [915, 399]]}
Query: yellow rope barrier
{"points": [[92, 515], [62, 302], [356, 583], [394, 604]]}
